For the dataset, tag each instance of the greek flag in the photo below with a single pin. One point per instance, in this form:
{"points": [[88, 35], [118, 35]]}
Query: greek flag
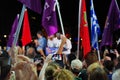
{"points": [[95, 28]]}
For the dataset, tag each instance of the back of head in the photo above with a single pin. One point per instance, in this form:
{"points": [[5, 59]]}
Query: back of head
{"points": [[58, 35], [76, 65], [116, 75], [50, 70], [40, 32], [109, 65], [63, 75], [94, 66], [90, 58], [97, 74]]}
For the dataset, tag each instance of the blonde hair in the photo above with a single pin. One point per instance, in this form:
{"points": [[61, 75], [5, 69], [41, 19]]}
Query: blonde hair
{"points": [[93, 66], [63, 74]]}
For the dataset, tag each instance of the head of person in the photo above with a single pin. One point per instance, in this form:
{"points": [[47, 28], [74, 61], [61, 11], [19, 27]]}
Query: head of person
{"points": [[90, 58], [58, 35], [63, 74], [50, 70], [116, 75], [76, 66], [39, 34], [51, 37], [93, 66], [30, 52], [97, 74], [109, 65]]}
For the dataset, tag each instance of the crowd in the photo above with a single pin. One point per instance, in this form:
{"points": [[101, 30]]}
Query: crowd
{"points": [[52, 59]]}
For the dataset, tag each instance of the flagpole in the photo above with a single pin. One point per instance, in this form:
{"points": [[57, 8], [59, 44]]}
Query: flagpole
{"points": [[58, 8], [16, 36], [98, 51], [79, 19]]}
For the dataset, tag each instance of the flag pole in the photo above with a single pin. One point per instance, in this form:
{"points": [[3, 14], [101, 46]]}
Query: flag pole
{"points": [[98, 51], [60, 17], [79, 19], [16, 36]]}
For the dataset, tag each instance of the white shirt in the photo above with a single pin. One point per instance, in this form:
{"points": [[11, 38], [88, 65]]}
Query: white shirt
{"points": [[51, 43], [67, 45]]}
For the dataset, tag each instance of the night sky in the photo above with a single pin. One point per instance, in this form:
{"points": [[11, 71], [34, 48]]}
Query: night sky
{"points": [[69, 11]]}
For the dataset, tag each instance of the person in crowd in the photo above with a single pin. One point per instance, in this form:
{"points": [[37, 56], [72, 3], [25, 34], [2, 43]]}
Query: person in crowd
{"points": [[63, 74], [41, 43], [51, 45], [109, 66], [67, 46], [116, 75], [117, 66], [50, 70], [90, 58], [4, 65], [30, 52], [76, 67], [97, 74]]}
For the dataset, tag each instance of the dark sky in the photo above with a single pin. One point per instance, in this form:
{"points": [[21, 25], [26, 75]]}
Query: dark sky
{"points": [[69, 11]]}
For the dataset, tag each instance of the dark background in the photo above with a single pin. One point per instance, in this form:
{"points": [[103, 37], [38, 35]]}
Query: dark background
{"points": [[69, 11]]}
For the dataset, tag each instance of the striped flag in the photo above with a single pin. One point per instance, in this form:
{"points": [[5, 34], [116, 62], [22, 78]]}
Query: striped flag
{"points": [[95, 28]]}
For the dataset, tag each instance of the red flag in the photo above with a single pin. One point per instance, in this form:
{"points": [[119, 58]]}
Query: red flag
{"points": [[26, 34], [84, 31]]}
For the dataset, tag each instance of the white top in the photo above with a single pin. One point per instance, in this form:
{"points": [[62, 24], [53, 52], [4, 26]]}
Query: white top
{"points": [[67, 46], [51, 43]]}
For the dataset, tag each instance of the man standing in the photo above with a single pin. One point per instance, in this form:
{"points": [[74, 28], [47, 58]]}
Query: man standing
{"points": [[67, 46]]}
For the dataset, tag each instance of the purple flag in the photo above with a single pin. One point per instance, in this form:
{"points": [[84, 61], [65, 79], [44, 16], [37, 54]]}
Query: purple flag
{"points": [[49, 21], [34, 5], [112, 24], [11, 36]]}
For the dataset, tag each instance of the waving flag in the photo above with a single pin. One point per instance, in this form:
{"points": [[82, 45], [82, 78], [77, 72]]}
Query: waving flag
{"points": [[84, 31], [34, 5], [95, 28], [26, 34], [112, 24], [49, 20], [12, 34]]}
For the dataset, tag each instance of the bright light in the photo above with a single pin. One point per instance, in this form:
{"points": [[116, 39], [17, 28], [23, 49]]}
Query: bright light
{"points": [[5, 36]]}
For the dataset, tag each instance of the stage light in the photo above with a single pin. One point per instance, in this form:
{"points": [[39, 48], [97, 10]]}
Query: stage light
{"points": [[5, 36]]}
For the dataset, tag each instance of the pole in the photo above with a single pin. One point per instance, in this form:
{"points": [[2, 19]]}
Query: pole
{"points": [[16, 36], [79, 19], [98, 51], [58, 8]]}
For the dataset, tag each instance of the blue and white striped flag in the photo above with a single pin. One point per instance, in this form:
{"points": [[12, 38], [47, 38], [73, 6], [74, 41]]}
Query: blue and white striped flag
{"points": [[95, 28]]}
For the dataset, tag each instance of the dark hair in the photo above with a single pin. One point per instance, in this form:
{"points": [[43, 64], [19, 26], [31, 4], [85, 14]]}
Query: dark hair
{"points": [[98, 74], [40, 32], [90, 58], [4, 71], [109, 65]]}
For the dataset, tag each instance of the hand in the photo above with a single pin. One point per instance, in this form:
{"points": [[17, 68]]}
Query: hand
{"points": [[48, 58]]}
